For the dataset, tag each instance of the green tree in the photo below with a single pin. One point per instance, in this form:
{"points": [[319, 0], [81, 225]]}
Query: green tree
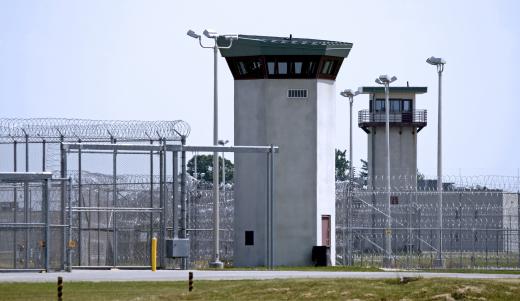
{"points": [[342, 165], [205, 168]]}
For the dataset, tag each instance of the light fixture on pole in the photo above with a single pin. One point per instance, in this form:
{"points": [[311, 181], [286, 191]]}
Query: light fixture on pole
{"points": [[211, 34], [439, 63], [223, 143], [348, 245], [386, 81]]}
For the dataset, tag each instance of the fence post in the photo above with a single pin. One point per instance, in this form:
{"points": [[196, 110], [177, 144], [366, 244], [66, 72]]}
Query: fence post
{"points": [[183, 198], [15, 196], [80, 204], [45, 205]]}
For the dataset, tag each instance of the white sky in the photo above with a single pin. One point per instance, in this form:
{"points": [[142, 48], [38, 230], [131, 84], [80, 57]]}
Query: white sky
{"points": [[133, 60]]}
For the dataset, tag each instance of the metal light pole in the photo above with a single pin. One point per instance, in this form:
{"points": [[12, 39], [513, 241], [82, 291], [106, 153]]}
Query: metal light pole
{"points": [[384, 80], [223, 143], [348, 93], [211, 34], [439, 62]]}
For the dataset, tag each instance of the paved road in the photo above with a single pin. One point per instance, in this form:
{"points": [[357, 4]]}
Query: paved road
{"points": [[169, 275]]}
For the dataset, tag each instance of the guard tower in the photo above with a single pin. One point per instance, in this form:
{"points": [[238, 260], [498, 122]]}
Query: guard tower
{"points": [[285, 95], [405, 123]]}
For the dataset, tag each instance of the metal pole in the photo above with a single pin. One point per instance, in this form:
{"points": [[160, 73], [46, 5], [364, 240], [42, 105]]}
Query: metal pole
{"points": [[45, 205], [271, 214], [440, 260], [175, 163], [216, 214], [161, 204], [44, 155], [151, 198], [165, 206], [114, 204], [98, 228], [388, 231], [15, 196], [223, 177], [267, 211], [26, 202], [88, 216], [183, 199], [80, 215], [350, 194], [69, 249], [63, 196]]}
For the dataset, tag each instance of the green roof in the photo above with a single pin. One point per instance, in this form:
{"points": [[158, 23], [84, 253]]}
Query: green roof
{"points": [[248, 45], [381, 89]]}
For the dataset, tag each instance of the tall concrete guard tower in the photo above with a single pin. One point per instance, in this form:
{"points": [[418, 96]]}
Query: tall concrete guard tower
{"points": [[405, 123], [285, 95]]}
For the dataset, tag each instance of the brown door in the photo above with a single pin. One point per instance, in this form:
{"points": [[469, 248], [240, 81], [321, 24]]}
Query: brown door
{"points": [[325, 230]]}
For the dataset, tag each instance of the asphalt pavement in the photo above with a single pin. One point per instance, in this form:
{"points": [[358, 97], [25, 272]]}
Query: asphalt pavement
{"points": [[178, 275]]}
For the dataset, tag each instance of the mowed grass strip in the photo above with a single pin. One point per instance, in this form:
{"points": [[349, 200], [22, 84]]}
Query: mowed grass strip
{"points": [[294, 289]]}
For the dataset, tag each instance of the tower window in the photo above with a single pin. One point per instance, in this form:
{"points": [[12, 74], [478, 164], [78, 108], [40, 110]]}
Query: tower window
{"points": [[298, 67], [297, 93], [250, 238], [270, 67], [282, 67]]}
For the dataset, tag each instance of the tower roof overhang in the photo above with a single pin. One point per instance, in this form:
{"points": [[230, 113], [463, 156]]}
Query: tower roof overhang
{"points": [[251, 45]]}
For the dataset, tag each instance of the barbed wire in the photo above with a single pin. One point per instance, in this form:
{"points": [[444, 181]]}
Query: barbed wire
{"points": [[451, 183], [55, 129]]}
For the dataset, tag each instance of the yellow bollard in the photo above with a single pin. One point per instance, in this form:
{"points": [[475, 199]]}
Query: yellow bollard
{"points": [[153, 256]]}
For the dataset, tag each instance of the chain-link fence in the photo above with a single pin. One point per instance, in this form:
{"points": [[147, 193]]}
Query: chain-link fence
{"points": [[478, 226]]}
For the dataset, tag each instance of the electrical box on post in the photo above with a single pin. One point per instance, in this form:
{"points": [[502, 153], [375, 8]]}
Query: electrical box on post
{"points": [[178, 248]]}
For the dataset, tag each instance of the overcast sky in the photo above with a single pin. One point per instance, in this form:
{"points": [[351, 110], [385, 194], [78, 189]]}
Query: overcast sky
{"points": [[133, 60]]}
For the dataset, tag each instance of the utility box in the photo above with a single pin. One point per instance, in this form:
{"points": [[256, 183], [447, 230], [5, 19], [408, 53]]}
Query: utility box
{"points": [[321, 256], [178, 248]]}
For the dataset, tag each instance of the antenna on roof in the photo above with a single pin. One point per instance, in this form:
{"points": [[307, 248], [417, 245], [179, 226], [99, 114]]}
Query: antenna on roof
{"points": [[290, 36], [407, 84]]}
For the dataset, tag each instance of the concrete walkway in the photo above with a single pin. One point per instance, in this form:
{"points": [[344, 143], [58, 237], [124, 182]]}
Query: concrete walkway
{"points": [[176, 275]]}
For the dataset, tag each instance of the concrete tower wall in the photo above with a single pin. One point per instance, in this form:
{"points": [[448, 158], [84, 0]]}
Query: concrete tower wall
{"points": [[304, 190], [403, 157]]}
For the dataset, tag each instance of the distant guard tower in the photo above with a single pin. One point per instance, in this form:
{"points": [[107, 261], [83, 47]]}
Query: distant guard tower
{"points": [[405, 123], [285, 95]]}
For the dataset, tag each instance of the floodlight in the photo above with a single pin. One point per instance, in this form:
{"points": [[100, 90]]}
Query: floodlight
{"points": [[346, 93], [435, 61], [192, 34], [210, 33], [379, 81], [393, 79]]}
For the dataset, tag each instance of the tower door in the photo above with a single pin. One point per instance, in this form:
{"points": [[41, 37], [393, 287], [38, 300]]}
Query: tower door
{"points": [[325, 230]]}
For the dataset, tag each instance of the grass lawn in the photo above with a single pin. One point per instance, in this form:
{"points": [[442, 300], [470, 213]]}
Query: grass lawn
{"points": [[308, 289]]}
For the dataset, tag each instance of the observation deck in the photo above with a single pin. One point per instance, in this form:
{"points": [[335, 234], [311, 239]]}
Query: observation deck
{"points": [[415, 118]]}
